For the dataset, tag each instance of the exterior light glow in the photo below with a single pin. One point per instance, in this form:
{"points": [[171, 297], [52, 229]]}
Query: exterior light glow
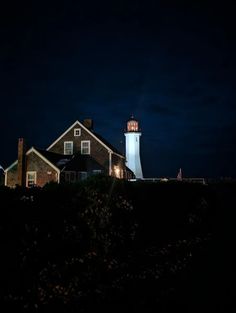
{"points": [[117, 171]]}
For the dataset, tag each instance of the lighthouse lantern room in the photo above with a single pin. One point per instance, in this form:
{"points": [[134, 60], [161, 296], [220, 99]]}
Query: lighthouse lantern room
{"points": [[132, 147]]}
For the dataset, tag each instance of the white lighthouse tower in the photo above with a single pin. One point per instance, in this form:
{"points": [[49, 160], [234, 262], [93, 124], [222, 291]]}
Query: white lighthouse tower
{"points": [[132, 147]]}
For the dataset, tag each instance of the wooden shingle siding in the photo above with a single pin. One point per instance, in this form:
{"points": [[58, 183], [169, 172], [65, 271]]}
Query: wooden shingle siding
{"points": [[97, 150], [45, 173], [12, 176]]}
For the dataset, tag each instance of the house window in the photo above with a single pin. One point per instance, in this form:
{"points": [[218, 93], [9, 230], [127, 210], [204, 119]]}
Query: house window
{"points": [[70, 176], [68, 147], [96, 172], [85, 147], [30, 179], [83, 175], [77, 132]]}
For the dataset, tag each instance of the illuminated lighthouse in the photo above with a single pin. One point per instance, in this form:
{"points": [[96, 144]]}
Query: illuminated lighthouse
{"points": [[132, 147]]}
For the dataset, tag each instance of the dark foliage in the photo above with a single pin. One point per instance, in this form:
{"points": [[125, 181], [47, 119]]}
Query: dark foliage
{"points": [[112, 245]]}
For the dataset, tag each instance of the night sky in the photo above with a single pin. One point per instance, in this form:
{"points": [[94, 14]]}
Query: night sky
{"points": [[171, 65]]}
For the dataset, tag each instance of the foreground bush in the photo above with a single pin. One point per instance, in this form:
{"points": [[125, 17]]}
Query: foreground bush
{"points": [[103, 244]]}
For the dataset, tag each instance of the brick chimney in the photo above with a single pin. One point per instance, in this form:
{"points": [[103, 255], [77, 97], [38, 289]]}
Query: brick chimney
{"points": [[21, 167], [88, 123]]}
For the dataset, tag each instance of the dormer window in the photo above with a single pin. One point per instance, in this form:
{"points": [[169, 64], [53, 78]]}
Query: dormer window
{"points": [[77, 132], [85, 147], [68, 147]]}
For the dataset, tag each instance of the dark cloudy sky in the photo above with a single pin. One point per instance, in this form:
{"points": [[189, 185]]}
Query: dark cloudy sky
{"points": [[171, 65]]}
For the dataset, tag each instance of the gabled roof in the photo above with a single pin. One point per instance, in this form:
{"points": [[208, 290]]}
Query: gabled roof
{"points": [[129, 170], [10, 166], [82, 163], [108, 144], [53, 159], [78, 162], [39, 153], [59, 160], [100, 139]]}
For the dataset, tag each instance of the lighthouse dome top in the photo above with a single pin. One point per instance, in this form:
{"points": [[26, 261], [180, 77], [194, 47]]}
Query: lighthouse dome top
{"points": [[132, 125]]}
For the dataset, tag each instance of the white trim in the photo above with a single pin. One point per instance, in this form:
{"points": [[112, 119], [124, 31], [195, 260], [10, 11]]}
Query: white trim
{"points": [[110, 161], [58, 177], [75, 130], [5, 179], [65, 132], [35, 177], [45, 160], [89, 145], [9, 167], [88, 131], [41, 156], [72, 145], [118, 155]]}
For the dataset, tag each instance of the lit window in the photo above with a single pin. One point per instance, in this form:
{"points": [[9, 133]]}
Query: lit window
{"points": [[117, 171], [77, 132], [31, 179], [132, 126], [68, 147], [85, 147]]}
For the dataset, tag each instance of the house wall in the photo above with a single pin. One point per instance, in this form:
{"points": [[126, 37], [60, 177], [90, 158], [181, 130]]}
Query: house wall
{"points": [[45, 172], [97, 150], [12, 177]]}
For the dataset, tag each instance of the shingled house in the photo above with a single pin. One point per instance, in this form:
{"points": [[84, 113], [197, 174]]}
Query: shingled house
{"points": [[75, 155]]}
